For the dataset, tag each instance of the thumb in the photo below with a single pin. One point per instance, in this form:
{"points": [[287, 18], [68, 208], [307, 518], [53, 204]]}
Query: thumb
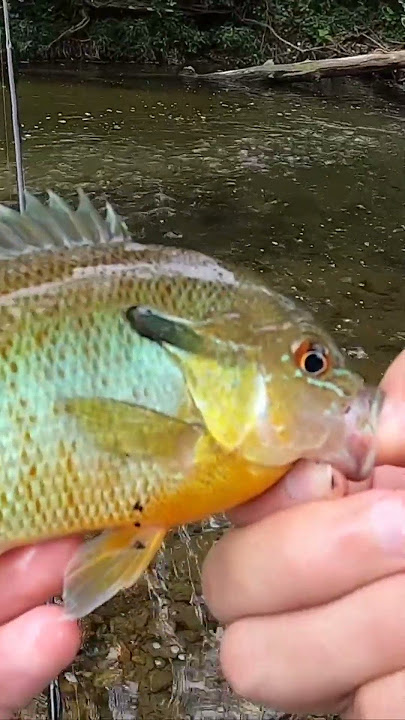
{"points": [[306, 481]]}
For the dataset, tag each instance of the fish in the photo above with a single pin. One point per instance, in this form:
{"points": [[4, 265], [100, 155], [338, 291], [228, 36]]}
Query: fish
{"points": [[145, 387]]}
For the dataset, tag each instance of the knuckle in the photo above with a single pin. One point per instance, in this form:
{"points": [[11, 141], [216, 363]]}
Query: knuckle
{"points": [[234, 651], [211, 583], [218, 578]]}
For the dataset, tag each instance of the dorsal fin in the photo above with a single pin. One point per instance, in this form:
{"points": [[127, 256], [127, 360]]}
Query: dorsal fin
{"points": [[55, 225]]}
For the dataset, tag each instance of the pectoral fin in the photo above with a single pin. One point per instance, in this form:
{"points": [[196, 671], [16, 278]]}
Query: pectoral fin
{"points": [[222, 377], [105, 565], [127, 429]]}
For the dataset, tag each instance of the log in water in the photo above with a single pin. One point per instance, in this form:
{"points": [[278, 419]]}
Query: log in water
{"points": [[307, 69]]}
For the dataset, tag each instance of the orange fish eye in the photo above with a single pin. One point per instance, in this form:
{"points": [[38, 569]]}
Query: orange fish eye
{"points": [[312, 358]]}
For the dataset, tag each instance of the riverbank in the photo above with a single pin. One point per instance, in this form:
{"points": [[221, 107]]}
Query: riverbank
{"points": [[214, 34]]}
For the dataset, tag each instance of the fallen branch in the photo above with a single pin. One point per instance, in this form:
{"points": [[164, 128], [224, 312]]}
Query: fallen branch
{"points": [[308, 69], [70, 31], [141, 8], [268, 26]]}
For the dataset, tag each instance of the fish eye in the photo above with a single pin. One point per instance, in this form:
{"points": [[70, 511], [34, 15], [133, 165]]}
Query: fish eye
{"points": [[312, 358]]}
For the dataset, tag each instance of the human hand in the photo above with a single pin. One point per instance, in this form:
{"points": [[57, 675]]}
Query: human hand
{"points": [[36, 643], [313, 592]]}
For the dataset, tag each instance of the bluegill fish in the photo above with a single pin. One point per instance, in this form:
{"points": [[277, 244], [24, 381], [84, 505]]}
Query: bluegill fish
{"points": [[145, 387]]}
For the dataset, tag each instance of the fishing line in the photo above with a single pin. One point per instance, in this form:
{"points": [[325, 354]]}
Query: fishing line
{"points": [[3, 87], [14, 108]]}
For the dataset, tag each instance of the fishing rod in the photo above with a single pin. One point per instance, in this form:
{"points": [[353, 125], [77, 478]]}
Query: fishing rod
{"points": [[14, 109], [54, 696]]}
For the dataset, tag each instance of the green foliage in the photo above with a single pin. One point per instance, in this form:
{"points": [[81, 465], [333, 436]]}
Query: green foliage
{"points": [[148, 40], [34, 24], [240, 42], [235, 32], [328, 21]]}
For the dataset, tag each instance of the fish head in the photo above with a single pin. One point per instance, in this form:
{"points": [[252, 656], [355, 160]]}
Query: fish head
{"points": [[271, 385], [312, 404]]}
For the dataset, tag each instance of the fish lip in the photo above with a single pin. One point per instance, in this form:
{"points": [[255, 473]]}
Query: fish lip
{"points": [[361, 422], [351, 444]]}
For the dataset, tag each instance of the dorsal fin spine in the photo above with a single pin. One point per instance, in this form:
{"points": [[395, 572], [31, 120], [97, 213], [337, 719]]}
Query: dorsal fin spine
{"points": [[55, 225]]}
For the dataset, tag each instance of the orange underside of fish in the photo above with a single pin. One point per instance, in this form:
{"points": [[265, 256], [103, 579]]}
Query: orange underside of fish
{"points": [[217, 487]]}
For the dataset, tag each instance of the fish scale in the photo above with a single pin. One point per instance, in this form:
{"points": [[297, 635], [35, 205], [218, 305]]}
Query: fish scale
{"points": [[143, 387]]}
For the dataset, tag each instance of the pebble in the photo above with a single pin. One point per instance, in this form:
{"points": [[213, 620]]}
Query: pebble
{"points": [[160, 680]]}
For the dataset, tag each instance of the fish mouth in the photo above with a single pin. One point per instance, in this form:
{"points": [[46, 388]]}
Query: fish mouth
{"points": [[357, 453]]}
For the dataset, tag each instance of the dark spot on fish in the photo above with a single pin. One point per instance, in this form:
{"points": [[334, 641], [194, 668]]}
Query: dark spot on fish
{"points": [[138, 506], [151, 325], [138, 318], [137, 524], [139, 545]]}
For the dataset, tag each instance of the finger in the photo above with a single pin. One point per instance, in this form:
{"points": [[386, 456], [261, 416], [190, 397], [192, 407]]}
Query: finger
{"points": [[306, 555], [379, 699], [313, 658], [389, 477], [306, 481], [31, 575], [391, 432], [393, 381], [391, 428], [34, 648]]}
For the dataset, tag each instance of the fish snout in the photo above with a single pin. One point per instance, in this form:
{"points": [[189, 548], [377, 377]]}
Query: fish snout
{"points": [[361, 421]]}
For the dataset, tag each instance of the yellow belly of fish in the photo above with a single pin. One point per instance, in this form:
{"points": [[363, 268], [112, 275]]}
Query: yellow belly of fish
{"points": [[214, 485]]}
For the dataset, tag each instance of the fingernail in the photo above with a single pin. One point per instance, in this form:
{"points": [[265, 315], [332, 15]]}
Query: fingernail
{"points": [[309, 481], [388, 524]]}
